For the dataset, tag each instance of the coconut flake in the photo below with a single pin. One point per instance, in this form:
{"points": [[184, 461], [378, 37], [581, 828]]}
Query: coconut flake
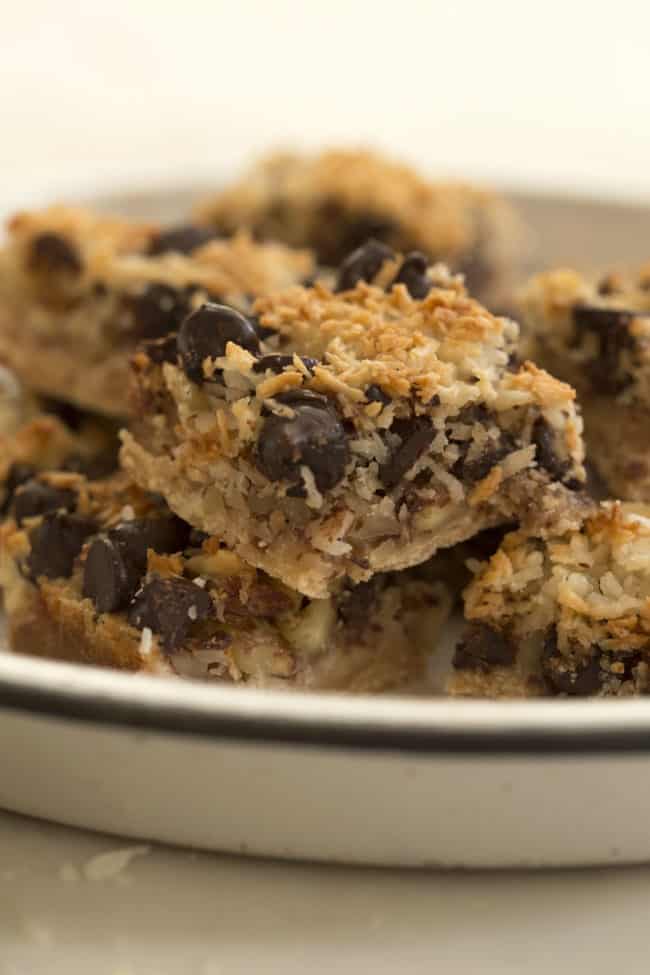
{"points": [[107, 866], [145, 642]]}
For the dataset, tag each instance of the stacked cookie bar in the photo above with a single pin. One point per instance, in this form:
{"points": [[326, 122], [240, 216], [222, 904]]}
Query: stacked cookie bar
{"points": [[319, 446]]}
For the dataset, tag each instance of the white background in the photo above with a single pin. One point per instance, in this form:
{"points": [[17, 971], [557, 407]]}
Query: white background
{"points": [[552, 94]]}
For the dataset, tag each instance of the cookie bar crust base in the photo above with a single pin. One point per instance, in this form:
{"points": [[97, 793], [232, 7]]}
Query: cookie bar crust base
{"points": [[51, 621], [83, 583]]}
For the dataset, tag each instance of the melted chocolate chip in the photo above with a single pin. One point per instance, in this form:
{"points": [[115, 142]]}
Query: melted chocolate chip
{"points": [[117, 561], [568, 674], [544, 438], [37, 498], [277, 363], [55, 544], [493, 451], [375, 394], [158, 310], [413, 273], [182, 239], [314, 437], [51, 254], [162, 350], [416, 434], [16, 475], [170, 607], [206, 333], [363, 264], [482, 647]]}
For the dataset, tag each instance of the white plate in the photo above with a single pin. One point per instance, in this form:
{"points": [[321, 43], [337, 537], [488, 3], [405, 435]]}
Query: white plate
{"points": [[356, 779]]}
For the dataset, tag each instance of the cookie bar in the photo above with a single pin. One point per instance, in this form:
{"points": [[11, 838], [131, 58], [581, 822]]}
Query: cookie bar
{"points": [[38, 435], [335, 201], [566, 615], [373, 424], [595, 334], [79, 290], [103, 573]]}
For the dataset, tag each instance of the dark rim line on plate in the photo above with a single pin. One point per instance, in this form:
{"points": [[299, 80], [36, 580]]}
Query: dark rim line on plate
{"points": [[363, 734]]}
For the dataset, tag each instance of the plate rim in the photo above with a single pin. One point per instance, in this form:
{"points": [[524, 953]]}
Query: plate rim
{"points": [[386, 723]]}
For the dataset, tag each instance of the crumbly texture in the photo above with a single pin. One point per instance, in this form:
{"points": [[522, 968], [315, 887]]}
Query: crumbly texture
{"points": [[594, 332], [79, 291], [124, 596], [567, 615], [334, 201], [39, 435], [369, 429]]}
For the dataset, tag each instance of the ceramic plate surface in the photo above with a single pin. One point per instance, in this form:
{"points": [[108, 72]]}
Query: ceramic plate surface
{"points": [[386, 780]]}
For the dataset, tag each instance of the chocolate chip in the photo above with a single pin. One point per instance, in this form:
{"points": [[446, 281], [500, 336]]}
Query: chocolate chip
{"points": [[336, 232], [37, 498], [51, 254], [158, 310], [168, 534], [475, 470], [363, 264], [544, 437], [117, 561], [413, 273], [611, 326], [170, 607], [110, 578], [71, 415], [276, 363], [183, 239], [482, 647], [16, 475], [570, 674], [93, 468], [313, 437], [55, 544], [206, 333], [162, 350], [261, 331], [416, 434], [375, 394]]}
